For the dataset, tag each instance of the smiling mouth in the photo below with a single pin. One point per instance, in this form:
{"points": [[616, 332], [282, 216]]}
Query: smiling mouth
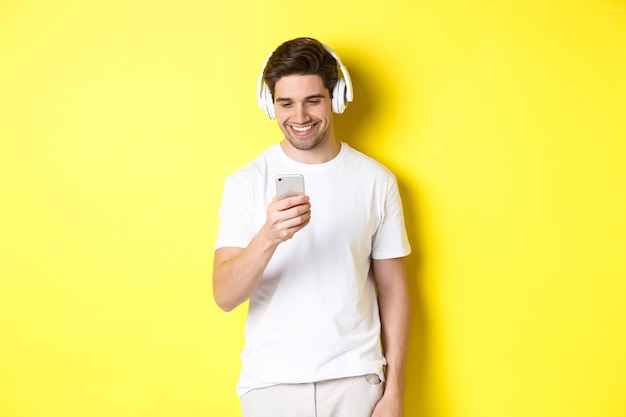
{"points": [[302, 129]]}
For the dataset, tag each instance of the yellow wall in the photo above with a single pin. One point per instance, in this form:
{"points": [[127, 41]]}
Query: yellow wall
{"points": [[503, 120]]}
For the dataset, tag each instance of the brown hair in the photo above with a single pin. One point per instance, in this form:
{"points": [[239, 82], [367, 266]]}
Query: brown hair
{"points": [[302, 56]]}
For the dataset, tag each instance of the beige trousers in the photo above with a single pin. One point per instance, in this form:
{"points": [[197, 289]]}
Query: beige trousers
{"points": [[345, 397]]}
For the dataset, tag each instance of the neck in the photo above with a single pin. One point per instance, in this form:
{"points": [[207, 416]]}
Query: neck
{"points": [[318, 155]]}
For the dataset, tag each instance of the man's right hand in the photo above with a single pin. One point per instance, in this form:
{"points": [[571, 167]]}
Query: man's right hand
{"points": [[286, 217]]}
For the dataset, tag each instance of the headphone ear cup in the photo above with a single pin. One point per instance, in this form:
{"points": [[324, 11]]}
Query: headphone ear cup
{"points": [[268, 102], [339, 96]]}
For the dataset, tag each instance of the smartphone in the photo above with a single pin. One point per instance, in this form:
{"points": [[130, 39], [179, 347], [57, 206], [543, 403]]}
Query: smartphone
{"points": [[288, 185]]}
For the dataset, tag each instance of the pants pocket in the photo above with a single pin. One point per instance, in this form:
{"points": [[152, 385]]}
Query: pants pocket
{"points": [[373, 379]]}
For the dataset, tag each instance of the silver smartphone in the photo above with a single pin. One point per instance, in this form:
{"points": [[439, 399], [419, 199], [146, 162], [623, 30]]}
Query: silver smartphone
{"points": [[288, 185]]}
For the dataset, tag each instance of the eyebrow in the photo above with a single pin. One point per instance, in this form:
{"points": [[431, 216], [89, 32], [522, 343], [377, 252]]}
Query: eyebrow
{"points": [[282, 99]]}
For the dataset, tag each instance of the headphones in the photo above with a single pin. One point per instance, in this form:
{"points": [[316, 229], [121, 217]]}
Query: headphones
{"points": [[342, 91]]}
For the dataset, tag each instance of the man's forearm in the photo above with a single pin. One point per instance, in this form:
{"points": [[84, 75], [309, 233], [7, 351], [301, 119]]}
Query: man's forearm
{"points": [[237, 272], [395, 318], [394, 306]]}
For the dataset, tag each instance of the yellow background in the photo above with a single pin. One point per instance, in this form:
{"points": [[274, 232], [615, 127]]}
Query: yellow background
{"points": [[503, 120]]}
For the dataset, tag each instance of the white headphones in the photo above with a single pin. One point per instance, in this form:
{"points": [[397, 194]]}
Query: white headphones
{"points": [[342, 91]]}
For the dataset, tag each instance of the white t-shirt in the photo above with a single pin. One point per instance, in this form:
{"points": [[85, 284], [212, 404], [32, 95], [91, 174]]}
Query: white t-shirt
{"points": [[315, 315]]}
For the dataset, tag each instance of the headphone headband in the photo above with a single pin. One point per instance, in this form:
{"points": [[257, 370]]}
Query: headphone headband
{"points": [[342, 90]]}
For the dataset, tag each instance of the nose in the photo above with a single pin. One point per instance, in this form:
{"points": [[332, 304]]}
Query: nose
{"points": [[300, 114]]}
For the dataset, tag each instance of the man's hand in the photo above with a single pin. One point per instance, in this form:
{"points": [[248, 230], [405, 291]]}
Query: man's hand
{"points": [[388, 406], [286, 217]]}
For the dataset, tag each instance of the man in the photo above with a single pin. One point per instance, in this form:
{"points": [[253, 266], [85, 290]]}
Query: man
{"points": [[324, 271]]}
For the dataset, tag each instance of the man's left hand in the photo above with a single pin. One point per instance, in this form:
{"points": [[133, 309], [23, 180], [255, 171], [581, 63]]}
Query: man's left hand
{"points": [[388, 406]]}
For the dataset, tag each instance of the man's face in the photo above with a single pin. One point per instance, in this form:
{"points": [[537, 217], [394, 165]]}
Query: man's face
{"points": [[303, 110]]}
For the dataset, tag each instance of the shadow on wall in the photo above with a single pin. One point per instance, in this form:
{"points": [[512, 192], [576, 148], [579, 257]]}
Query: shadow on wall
{"points": [[372, 86], [351, 125]]}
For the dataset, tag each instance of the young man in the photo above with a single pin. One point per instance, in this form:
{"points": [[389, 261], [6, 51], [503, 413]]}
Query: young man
{"points": [[324, 272]]}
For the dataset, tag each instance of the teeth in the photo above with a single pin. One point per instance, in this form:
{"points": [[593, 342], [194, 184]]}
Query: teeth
{"points": [[301, 129]]}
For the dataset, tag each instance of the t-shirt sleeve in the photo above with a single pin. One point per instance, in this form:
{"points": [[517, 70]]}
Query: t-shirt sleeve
{"points": [[237, 225], [391, 240]]}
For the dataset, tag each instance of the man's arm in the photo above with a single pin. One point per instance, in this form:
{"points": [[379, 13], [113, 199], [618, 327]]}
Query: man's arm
{"points": [[394, 305], [237, 271]]}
